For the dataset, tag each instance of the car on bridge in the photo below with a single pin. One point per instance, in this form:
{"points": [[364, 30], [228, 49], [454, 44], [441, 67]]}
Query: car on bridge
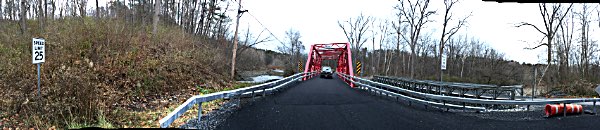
{"points": [[326, 72]]}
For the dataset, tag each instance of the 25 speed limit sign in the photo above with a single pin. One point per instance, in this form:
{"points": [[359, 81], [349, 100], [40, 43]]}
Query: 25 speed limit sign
{"points": [[38, 54]]}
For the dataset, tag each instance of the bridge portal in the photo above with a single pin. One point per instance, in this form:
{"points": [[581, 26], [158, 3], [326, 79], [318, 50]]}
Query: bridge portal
{"points": [[332, 51]]}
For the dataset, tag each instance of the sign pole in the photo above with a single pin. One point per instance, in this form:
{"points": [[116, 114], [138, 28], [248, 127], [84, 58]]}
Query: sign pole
{"points": [[38, 56], [38, 76], [534, 81]]}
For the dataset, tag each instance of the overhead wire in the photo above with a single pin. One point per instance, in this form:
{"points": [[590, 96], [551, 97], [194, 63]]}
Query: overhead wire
{"points": [[265, 27], [261, 24]]}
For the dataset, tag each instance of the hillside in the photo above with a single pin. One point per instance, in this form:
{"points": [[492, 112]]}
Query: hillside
{"points": [[104, 72]]}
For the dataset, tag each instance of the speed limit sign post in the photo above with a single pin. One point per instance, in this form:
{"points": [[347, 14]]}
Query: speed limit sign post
{"points": [[38, 56]]}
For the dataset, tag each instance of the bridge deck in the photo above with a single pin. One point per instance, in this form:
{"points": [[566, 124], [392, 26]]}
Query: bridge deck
{"points": [[331, 104]]}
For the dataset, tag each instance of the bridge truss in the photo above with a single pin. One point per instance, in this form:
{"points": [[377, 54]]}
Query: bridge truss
{"points": [[332, 51]]}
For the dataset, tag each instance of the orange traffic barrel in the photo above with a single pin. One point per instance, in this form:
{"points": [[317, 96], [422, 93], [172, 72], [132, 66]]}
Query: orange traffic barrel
{"points": [[554, 109]]}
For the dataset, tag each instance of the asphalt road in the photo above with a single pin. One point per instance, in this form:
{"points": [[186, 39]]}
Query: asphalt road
{"points": [[331, 104]]}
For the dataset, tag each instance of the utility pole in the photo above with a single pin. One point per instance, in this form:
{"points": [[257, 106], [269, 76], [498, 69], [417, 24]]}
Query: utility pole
{"points": [[235, 38], [534, 81]]}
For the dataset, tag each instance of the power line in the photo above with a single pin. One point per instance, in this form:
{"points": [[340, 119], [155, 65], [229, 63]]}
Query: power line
{"points": [[260, 23], [265, 27]]}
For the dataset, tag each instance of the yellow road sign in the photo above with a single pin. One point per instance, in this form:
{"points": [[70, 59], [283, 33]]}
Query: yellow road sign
{"points": [[358, 67], [300, 68]]}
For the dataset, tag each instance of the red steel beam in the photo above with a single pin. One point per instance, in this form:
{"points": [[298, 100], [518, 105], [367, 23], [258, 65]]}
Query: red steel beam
{"points": [[333, 51]]}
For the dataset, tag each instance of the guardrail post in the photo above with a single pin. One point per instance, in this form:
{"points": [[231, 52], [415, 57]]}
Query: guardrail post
{"points": [[594, 106], [264, 92], [512, 95], [495, 94], [444, 103], [565, 109], [199, 114], [240, 100]]}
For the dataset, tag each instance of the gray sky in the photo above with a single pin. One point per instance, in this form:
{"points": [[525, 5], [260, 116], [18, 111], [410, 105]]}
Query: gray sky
{"points": [[493, 23]]}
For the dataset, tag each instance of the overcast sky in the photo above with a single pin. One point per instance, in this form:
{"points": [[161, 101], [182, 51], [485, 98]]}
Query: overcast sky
{"points": [[316, 20]]}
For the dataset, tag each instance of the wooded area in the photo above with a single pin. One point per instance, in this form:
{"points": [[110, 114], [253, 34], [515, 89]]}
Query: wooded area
{"points": [[407, 49], [123, 64]]}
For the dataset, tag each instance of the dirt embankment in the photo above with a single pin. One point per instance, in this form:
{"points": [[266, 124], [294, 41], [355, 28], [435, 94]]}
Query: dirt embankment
{"points": [[105, 73]]}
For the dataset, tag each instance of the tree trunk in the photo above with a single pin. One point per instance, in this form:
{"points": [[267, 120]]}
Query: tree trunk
{"points": [[23, 16], [45, 10], [2, 10], [53, 9], [98, 10], [202, 17], [40, 15], [413, 58], [155, 18], [373, 59], [82, 5]]}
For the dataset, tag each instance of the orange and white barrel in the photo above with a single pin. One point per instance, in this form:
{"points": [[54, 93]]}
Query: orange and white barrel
{"points": [[555, 109]]}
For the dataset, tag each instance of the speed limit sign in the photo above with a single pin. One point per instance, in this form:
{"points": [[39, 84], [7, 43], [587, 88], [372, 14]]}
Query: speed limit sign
{"points": [[38, 54], [38, 57]]}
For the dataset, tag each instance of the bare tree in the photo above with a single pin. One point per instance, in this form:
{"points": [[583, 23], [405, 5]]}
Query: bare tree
{"points": [[251, 41], [155, 18], [563, 47], [40, 14], [447, 34], [8, 10], [23, 17], [399, 30], [586, 46], [82, 4], [1, 10], [552, 17], [98, 9], [373, 33], [355, 31], [53, 9], [416, 15], [383, 33], [293, 47]]}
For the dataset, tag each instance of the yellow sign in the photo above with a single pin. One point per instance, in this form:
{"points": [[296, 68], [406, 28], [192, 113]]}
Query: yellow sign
{"points": [[300, 68], [358, 67]]}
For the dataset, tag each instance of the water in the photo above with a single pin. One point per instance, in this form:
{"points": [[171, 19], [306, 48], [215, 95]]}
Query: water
{"points": [[264, 78]]}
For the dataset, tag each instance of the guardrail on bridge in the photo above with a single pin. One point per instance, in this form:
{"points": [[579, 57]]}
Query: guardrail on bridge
{"points": [[448, 88], [265, 88], [432, 99]]}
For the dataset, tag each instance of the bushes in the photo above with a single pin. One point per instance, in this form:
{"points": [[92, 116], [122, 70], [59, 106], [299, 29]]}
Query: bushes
{"points": [[104, 66], [579, 87]]}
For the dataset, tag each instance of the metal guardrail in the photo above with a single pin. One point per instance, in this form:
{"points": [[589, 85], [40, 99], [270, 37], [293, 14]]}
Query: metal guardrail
{"points": [[427, 98], [437, 87], [265, 88]]}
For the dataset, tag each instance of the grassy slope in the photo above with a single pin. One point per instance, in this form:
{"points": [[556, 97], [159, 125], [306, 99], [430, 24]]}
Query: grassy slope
{"points": [[104, 73]]}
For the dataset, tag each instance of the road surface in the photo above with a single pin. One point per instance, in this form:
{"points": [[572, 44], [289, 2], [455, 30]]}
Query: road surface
{"points": [[331, 104]]}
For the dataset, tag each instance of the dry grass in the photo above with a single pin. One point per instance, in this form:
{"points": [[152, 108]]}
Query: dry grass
{"points": [[103, 73]]}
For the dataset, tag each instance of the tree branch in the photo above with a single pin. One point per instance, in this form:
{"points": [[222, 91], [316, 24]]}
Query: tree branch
{"points": [[543, 44], [528, 24]]}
